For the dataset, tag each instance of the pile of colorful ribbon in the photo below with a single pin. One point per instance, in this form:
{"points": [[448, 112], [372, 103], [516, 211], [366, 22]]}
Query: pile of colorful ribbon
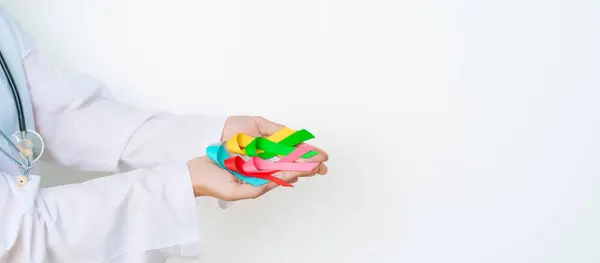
{"points": [[286, 144]]}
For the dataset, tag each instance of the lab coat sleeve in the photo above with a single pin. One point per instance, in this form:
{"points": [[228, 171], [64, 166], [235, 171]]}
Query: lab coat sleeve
{"points": [[85, 127], [141, 216], [174, 138]]}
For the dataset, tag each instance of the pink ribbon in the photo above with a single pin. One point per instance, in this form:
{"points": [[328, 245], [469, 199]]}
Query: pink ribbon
{"points": [[287, 163]]}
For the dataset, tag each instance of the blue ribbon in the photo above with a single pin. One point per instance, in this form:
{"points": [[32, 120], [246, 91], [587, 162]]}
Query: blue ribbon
{"points": [[218, 155]]}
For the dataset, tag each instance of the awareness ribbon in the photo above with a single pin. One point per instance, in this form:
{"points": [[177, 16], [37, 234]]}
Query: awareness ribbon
{"points": [[280, 143], [258, 171], [254, 176], [236, 164], [262, 169], [218, 155], [241, 140], [257, 165]]}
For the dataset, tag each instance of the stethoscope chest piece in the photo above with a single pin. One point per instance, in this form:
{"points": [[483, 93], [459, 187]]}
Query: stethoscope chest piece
{"points": [[30, 144], [27, 144]]}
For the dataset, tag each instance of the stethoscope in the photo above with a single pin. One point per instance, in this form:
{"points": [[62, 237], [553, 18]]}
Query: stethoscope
{"points": [[25, 146]]}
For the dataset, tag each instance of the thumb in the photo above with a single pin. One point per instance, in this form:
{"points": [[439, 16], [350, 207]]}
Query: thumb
{"points": [[267, 127]]}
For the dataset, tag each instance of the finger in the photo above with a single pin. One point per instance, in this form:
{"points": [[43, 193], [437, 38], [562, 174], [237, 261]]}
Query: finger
{"points": [[322, 169], [310, 173], [291, 175], [267, 127], [287, 178], [322, 156]]}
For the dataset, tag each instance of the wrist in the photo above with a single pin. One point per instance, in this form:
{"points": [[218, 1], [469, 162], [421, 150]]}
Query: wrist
{"points": [[197, 182]]}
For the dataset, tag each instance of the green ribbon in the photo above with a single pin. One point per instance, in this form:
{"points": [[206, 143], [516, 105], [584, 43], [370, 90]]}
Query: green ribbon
{"points": [[284, 147]]}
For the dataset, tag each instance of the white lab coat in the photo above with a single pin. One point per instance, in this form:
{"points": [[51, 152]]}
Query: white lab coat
{"points": [[146, 212]]}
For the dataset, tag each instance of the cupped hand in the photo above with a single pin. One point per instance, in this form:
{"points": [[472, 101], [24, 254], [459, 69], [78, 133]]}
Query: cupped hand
{"points": [[209, 179], [257, 126]]}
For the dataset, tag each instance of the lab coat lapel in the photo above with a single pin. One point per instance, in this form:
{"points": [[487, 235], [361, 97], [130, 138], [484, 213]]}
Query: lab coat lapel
{"points": [[8, 113]]}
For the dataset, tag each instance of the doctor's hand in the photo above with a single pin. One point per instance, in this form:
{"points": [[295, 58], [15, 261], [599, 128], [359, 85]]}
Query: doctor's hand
{"points": [[209, 179], [260, 127]]}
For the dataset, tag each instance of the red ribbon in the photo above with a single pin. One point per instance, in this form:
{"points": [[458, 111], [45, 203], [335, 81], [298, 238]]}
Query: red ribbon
{"points": [[236, 164]]}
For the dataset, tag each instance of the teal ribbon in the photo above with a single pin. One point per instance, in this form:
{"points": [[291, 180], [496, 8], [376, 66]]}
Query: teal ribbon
{"points": [[218, 155]]}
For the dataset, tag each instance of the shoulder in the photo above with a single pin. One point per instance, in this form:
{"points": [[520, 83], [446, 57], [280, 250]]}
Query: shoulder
{"points": [[15, 33]]}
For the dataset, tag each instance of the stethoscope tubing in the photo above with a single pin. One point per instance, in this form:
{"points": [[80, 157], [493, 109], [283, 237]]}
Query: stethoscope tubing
{"points": [[15, 93], [21, 116]]}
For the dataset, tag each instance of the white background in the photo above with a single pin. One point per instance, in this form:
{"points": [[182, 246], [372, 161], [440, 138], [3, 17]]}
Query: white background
{"points": [[459, 131]]}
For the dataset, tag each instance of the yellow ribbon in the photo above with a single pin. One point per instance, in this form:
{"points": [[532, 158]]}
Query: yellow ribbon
{"points": [[240, 140]]}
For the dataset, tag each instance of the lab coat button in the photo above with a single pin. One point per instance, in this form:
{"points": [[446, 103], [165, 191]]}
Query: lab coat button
{"points": [[22, 180]]}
